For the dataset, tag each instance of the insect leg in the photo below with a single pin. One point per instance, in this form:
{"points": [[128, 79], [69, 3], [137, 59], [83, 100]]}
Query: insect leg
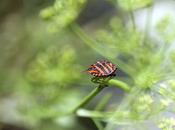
{"points": [[95, 80]]}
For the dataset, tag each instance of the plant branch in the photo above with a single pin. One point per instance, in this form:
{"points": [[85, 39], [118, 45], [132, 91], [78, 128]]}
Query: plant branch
{"points": [[100, 106], [131, 13], [148, 23], [89, 97], [119, 84], [76, 29], [98, 89]]}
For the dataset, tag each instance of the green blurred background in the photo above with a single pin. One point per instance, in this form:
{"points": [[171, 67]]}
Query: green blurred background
{"points": [[45, 45], [41, 68]]}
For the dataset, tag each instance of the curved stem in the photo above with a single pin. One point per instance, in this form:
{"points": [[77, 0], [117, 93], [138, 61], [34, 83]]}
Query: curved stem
{"points": [[89, 97], [98, 89], [120, 84]]}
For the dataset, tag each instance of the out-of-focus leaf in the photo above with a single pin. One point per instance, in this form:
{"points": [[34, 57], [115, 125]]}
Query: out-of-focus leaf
{"points": [[62, 13], [55, 67], [133, 4], [129, 5], [167, 124], [165, 29], [143, 107]]}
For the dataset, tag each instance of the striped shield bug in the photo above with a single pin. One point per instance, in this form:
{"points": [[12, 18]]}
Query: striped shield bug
{"points": [[102, 69]]}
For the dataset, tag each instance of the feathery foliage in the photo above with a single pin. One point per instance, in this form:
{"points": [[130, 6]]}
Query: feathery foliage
{"points": [[41, 73]]}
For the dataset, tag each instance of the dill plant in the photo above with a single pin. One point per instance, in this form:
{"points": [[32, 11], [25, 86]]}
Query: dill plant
{"points": [[148, 62]]}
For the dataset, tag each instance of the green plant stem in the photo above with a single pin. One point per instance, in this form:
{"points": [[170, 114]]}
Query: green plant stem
{"points": [[120, 84], [76, 29], [148, 23], [101, 106], [131, 13], [89, 97], [98, 124], [132, 19], [98, 89]]}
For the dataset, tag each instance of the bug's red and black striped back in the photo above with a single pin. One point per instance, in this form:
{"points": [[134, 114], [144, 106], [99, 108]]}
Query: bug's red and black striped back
{"points": [[102, 69]]}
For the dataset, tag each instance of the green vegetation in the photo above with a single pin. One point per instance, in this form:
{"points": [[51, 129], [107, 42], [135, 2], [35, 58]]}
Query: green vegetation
{"points": [[45, 49]]}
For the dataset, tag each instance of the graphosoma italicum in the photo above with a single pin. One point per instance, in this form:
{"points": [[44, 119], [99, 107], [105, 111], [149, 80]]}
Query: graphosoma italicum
{"points": [[102, 68]]}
